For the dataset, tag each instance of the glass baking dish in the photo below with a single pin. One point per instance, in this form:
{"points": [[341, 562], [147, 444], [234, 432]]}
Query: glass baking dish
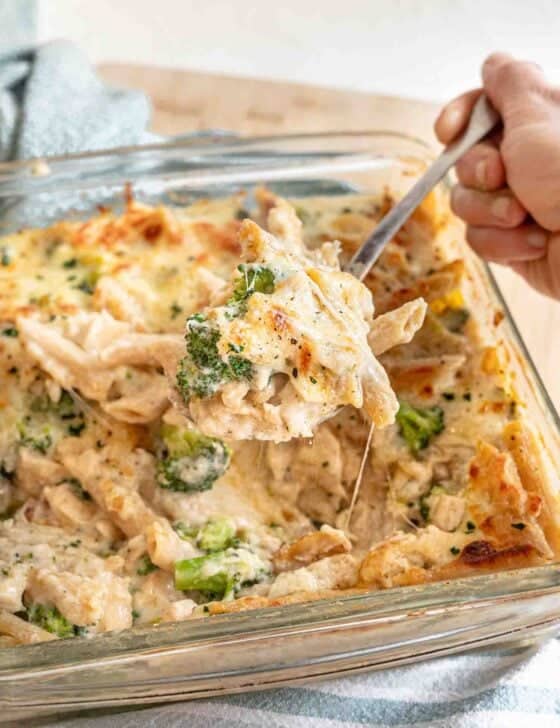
{"points": [[271, 647]]}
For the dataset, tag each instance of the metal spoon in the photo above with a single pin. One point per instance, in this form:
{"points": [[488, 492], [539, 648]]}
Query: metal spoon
{"points": [[483, 119]]}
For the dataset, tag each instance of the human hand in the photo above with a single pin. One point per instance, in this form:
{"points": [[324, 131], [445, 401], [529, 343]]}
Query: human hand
{"points": [[509, 185]]}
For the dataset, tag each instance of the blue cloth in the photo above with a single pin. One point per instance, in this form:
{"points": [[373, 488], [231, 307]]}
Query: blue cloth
{"points": [[514, 687], [52, 102]]}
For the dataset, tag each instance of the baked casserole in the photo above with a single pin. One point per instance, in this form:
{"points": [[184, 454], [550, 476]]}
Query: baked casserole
{"points": [[118, 512]]}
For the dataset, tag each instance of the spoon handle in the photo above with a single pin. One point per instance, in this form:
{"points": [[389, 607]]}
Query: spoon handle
{"points": [[483, 119]]}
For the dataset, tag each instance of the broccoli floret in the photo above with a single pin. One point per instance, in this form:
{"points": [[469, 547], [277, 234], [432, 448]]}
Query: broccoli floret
{"points": [[48, 420], [221, 574], [418, 425], [240, 368], [203, 370], [253, 279], [50, 619], [190, 461], [216, 535], [206, 574]]}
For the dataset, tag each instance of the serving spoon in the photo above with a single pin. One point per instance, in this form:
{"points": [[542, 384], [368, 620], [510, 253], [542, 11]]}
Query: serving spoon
{"points": [[483, 119]]}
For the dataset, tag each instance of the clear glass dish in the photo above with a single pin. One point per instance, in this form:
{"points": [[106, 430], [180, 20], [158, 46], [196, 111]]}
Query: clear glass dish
{"points": [[271, 647]]}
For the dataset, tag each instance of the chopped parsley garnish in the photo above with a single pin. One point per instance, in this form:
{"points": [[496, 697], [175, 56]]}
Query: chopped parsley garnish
{"points": [[454, 319], [86, 286], [175, 310], [77, 429], [77, 488], [145, 566]]}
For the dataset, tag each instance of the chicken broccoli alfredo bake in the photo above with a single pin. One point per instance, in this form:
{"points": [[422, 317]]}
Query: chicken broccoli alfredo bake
{"points": [[189, 397]]}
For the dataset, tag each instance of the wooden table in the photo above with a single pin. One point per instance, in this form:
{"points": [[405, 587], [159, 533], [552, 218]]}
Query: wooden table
{"points": [[184, 101]]}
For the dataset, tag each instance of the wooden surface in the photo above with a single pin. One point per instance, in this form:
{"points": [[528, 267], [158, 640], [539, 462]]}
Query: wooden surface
{"points": [[185, 101]]}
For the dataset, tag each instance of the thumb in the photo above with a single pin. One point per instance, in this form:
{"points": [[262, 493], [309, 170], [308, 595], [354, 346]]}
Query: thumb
{"points": [[515, 88]]}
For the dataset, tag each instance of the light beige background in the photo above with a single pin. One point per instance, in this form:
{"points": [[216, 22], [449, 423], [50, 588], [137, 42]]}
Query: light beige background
{"points": [[419, 48]]}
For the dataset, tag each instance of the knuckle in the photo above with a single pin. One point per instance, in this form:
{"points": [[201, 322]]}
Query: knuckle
{"points": [[513, 73]]}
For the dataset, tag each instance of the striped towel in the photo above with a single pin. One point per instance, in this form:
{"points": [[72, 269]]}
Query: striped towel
{"points": [[514, 688]]}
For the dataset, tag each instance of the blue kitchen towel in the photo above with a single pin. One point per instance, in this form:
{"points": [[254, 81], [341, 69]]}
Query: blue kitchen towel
{"points": [[511, 687], [52, 102]]}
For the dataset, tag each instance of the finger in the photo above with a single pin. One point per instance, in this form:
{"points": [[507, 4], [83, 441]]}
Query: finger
{"points": [[482, 168], [453, 117], [487, 209], [527, 242], [515, 87], [544, 273]]}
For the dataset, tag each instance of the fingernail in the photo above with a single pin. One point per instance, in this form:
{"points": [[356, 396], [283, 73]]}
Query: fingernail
{"points": [[537, 239], [501, 208], [481, 173]]}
